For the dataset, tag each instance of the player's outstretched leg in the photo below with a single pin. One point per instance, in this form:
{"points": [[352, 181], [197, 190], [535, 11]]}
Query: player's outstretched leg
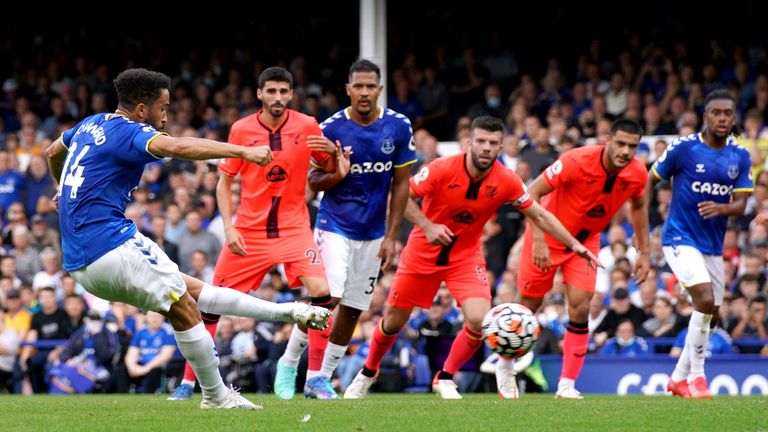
{"points": [[196, 345], [225, 301]]}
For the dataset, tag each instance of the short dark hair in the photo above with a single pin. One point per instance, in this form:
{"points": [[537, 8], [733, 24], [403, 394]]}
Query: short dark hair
{"points": [[488, 123], [275, 73], [758, 299], [720, 94], [135, 86], [363, 65], [626, 125]]}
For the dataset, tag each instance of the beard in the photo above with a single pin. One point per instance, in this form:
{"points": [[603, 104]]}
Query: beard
{"points": [[276, 110], [481, 164], [155, 123]]}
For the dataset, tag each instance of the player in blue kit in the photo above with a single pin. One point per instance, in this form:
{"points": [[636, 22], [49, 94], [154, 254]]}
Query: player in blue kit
{"points": [[375, 148], [711, 181], [97, 164]]}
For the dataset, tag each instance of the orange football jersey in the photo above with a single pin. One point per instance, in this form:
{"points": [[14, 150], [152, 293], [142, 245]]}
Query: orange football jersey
{"points": [[451, 196], [272, 199], [586, 195]]}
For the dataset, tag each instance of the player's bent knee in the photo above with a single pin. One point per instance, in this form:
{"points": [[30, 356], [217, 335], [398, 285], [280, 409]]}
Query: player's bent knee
{"points": [[532, 303], [394, 320], [183, 314], [579, 312]]}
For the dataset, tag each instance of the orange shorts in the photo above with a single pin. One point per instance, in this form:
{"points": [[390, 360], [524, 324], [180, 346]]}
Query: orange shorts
{"points": [[411, 289], [534, 282], [298, 254]]}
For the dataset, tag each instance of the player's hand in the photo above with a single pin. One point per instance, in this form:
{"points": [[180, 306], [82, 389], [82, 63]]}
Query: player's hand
{"points": [[235, 241], [260, 155], [386, 252], [592, 261], [541, 257], [55, 201], [438, 234], [319, 143], [710, 209], [343, 163], [642, 267], [762, 218]]}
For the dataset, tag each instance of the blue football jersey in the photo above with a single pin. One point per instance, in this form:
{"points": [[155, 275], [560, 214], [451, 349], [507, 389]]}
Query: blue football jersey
{"points": [[356, 207], [106, 158], [701, 173]]}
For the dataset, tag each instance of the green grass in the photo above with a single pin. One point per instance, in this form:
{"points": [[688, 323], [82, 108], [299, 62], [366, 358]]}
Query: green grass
{"points": [[386, 413]]}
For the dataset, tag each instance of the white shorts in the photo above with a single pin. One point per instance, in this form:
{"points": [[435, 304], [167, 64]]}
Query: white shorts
{"points": [[692, 268], [137, 272], [351, 267]]}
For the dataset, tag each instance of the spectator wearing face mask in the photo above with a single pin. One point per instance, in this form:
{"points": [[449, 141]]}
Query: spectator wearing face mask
{"points": [[625, 343]]}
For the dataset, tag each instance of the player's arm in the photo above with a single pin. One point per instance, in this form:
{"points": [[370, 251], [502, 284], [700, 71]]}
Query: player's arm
{"points": [[235, 241], [541, 258], [202, 149], [398, 200], [546, 221], [710, 209], [536, 190], [57, 155], [436, 234], [322, 178], [653, 179], [743, 187], [639, 217]]}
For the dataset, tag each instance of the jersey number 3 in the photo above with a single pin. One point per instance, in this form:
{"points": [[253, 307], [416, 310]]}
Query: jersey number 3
{"points": [[73, 175]]}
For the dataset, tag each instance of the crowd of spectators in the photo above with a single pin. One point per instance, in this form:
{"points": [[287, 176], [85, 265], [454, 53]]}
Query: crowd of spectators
{"points": [[545, 113]]}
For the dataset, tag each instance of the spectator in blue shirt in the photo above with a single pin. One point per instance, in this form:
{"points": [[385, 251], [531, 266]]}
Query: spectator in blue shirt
{"points": [[151, 348], [720, 342], [12, 184], [625, 343]]}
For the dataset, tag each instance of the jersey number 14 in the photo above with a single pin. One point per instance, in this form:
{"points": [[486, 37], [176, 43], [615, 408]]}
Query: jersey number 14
{"points": [[73, 175]]}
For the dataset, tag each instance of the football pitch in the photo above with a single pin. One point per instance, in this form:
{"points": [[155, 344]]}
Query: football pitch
{"points": [[386, 413]]}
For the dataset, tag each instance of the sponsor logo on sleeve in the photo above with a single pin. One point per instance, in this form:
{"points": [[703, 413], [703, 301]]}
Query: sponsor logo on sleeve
{"points": [[554, 169], [422, 175], [519, 201]]}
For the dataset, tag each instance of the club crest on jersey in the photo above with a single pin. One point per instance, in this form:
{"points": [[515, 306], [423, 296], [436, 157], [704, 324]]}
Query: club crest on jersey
{"points": [[492, 191], [733, 171], [276, 174], [596, 212], [388, 146], [463, 217]]}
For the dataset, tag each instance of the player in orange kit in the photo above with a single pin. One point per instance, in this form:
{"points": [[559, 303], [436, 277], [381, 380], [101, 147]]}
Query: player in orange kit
{"points": [[272, 224], [460, 193], [584, 189]]}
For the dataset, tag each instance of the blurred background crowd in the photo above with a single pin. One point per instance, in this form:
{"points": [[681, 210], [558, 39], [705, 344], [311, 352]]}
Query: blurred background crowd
{"points": [[560, 93]]}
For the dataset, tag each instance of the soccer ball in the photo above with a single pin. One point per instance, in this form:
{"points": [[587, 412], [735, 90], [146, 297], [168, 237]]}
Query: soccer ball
{"points": [[511, 330]]}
